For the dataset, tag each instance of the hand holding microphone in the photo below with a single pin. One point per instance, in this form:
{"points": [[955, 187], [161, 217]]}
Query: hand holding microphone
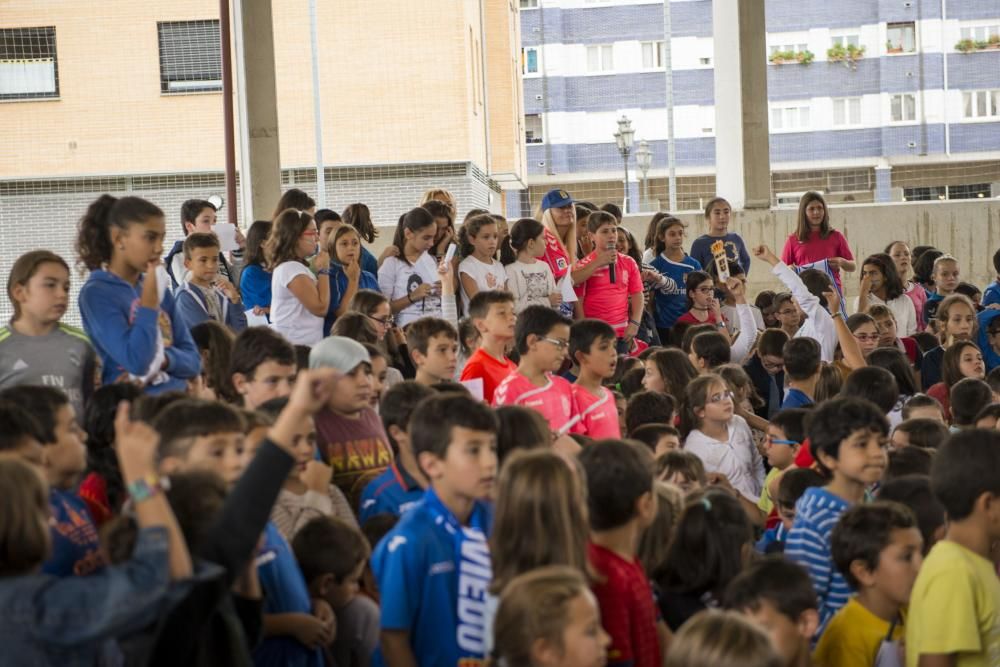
{"points": [[614, 260]]}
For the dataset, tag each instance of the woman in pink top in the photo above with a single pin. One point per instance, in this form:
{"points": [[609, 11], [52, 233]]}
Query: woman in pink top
{"points": [[903, 259], [814, 240]]}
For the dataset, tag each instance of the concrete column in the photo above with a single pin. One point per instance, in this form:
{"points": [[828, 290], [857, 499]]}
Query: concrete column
{"points": [[883, 184], [742, 160], [262, 108]]}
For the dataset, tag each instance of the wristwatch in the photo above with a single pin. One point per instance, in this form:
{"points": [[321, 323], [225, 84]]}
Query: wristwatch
{"points": [[146, 487]]}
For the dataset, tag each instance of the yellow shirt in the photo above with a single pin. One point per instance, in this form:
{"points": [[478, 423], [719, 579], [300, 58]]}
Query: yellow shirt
{"points": [[853, 637], [766, 504], [955, 608]]}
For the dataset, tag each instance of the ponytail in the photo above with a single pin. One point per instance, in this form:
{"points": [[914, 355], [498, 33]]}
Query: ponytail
{"points": [[414, 220], [360, 217], [93, 239], [523, 231]]}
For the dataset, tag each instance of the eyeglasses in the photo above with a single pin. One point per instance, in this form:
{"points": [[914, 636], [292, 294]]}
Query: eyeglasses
{"points": [[720, 397], [386, 321], [561, 344]]}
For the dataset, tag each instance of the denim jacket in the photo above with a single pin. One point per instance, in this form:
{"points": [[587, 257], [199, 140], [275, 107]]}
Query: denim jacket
{"points": [[46, 620]]}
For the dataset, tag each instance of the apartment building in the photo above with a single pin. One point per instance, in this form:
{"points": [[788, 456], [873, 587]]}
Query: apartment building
{"points": [[869, 100]]}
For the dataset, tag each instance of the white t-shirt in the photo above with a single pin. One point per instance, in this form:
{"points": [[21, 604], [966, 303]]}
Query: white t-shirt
{"points": [[531, 284], [487, 276], [902, 309], [737, 459], [397, 278], [289, 316]]}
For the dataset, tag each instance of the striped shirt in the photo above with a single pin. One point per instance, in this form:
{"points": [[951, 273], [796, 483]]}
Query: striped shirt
{"points": [[808, 544]]}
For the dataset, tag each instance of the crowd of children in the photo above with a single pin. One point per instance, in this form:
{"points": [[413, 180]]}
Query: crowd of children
{"points": [[521, 443]]}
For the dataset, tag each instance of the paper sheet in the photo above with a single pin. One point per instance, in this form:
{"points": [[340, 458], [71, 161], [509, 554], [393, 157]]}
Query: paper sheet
{"points": [[255, 320], [227, 237], [566, 287], [475, 387]]}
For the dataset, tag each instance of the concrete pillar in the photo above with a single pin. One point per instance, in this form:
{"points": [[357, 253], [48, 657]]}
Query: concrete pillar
{"points": [[883, 184], [262, 108], [742, 160]]}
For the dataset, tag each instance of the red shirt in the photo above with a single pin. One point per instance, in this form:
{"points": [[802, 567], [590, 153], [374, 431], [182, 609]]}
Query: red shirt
{"points": [[628, 613], [484, 365], [816, 249], [941, 392], [606, 300], [599, 414], [554, 400], [689, 318], [555, 256]]}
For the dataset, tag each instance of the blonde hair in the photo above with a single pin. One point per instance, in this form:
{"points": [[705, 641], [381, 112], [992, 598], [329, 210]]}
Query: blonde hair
{"points": [[541, 516], [441, 195], [656, 538], [716, 638], [944, 314], [24, 513], [545, 217], [535, 606]]}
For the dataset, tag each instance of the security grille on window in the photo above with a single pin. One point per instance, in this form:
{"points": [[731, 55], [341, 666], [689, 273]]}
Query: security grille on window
{"points": [[533, 129], [190, 56], [28, 67]]}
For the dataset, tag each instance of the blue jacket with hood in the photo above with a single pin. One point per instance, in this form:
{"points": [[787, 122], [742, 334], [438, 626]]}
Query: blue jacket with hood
{"points": [[990, 355], [125, 333]]}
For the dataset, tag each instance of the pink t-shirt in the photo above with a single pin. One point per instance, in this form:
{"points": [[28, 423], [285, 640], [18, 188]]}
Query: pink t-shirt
{"points": [[918, 295], [606, 300], [599, 414], [555, 256], [816, 249], [554, 400]]}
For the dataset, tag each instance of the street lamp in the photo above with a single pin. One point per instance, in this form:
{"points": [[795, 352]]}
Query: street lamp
{"points": [[644, 160], [624, 138]]}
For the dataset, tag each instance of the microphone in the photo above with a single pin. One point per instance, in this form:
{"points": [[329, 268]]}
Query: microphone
{"points": [[611, 267]]}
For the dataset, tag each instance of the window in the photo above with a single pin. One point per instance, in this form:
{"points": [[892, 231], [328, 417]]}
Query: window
{"points": [[533, 129], [981, 104], [529, 4], [901, 38], [846, 40], [903, 107], [973, 191], [783, 48], [28, 68], [654, 55], [930, 193], [846, 111], [190, 56], [981, 33], [599, 58], [790, 118], [849, 180], [529, 61]]}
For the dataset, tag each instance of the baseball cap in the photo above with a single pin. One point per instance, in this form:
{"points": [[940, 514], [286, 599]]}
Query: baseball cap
{"points": [[556, 199], [338, 352]]}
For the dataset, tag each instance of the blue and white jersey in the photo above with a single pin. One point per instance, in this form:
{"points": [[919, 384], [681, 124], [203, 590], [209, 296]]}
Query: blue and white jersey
{"points": [[808, 544], [671, 296], [393, 492], [421, 573]]}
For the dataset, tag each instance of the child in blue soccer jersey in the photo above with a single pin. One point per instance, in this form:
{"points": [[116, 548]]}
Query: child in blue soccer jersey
{"points": [[674, 264], [433, 568], [402, 485]]}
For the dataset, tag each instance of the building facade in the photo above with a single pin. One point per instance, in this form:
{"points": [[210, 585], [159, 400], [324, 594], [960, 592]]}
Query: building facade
{"points": [[126, 98], [869, 100]]}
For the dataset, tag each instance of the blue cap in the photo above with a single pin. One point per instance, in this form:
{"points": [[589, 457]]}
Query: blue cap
{"points": [[556, 199]]}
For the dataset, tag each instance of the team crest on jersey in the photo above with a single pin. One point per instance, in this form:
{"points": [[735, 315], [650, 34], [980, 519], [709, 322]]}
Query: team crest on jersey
{"points": [[561, 263]]}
